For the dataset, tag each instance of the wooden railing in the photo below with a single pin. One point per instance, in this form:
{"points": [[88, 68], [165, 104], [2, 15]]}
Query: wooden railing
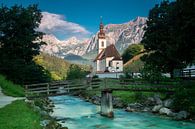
{"points": [[59, 87], [74, 86]]}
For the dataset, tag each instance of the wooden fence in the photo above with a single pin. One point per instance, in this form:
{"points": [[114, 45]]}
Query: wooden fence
{"points": [[75, 86]]}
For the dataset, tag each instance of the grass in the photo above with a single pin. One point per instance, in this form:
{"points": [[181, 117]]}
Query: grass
{"points": [[19, 115], [11, 89], [135, 64], [132, 97], [126, 96]]}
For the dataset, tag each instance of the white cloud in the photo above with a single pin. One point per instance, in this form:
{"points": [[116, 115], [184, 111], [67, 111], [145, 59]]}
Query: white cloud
{"points": [[58, 25]]}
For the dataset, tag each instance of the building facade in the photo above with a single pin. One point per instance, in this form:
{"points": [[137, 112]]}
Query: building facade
{"points": [[108, 58]]}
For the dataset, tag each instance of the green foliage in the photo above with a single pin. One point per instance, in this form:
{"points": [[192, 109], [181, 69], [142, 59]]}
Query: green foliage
{"points": [[76, 72], [132, 97], [184, 97], [57, 67], [131, 51], [19, 43], [151, 74], [11, 89], [169, 35], [135, 66], [18, 115]]}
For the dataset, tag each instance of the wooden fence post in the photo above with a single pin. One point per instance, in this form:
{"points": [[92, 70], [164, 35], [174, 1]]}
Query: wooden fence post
{"points": [[26, 90], [47, 88], [68, 86], [105, 83]]}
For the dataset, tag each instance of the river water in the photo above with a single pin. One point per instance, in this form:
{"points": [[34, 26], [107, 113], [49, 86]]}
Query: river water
{"points": [[79, 114]]}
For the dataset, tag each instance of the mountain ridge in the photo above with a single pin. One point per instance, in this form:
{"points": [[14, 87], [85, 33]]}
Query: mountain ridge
{"points": [[122, 35]]}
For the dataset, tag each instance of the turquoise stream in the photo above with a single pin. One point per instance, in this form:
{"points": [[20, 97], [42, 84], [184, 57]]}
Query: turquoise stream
{"points": [[79, 114]]}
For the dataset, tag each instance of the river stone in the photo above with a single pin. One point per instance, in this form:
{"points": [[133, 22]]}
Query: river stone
{"points": [[135, 105], [44, 123], [150, 101], [165, 111], [129, 109], [182, 115], [146, 109], [156, 108], [117, 103], [96, 99], [168, 103], [43, 113], [37, 108], [158, 100]]}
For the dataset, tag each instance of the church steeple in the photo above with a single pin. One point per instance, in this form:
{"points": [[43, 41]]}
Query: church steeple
{"points": [[101, 34]]}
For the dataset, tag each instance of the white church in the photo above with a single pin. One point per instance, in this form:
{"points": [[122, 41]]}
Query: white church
{"points": [[108, 59]]}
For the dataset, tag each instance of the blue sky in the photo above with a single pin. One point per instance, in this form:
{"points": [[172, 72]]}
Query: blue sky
{"points": [[80, 18]]}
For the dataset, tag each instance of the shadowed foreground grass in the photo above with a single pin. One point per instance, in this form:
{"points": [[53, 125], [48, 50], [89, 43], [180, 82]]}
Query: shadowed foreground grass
{"points": [[11, 89], [18, 115]]}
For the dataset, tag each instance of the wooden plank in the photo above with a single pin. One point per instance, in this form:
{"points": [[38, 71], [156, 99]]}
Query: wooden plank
{"points": [[34, 85], [55, 90], [35, 89]]}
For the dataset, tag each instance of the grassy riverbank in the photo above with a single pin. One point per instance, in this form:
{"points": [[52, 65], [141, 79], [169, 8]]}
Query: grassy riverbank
{"points": [[19, 115], [11, 89]]}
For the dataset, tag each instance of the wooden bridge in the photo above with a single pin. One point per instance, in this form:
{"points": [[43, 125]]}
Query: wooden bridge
{"points": [[74, 86], [105, 86]]}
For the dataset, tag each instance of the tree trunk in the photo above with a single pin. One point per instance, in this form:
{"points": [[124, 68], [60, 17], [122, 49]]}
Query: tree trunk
{"points": [[171, 73]]}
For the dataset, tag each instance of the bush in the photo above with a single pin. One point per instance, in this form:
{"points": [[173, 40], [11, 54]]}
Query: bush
{"points": [[76, 72], [11, 89], [184, 97], [132, 51], [152, 74]]}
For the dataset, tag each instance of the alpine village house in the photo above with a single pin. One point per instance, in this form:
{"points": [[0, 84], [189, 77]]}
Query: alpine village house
{"points": [[108, 59]]}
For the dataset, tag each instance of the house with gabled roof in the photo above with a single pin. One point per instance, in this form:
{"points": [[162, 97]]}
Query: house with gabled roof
{"points": [[108, 58]]}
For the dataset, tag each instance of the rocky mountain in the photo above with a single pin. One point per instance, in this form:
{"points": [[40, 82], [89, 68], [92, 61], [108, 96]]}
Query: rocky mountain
{"points": [[63, 48], [122, 35]]}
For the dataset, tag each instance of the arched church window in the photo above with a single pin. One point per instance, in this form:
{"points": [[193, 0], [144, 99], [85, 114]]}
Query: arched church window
{"points": [[102, 43]]}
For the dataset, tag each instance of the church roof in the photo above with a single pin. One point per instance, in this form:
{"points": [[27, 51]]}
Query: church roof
{"points": [[110, 51]]}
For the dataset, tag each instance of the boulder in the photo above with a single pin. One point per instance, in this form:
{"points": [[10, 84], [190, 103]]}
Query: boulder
{"points": [[150, 101], [117, 102], [156, 108], [37, 108], [128, 109], [43, 113], [44, 123], [168, 103], [182, 115], [146, 109], [134, 107], [96, 100], [165, 111], [158, 100]]}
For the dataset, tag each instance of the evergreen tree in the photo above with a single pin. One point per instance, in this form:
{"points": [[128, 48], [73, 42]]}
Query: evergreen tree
{"points": [[20, 42], [169, 35]]}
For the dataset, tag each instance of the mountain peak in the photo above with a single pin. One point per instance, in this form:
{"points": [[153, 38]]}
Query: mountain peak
{"points": [[122, 35], [140, 20]]}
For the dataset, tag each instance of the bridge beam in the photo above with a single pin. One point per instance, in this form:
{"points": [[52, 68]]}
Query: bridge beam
{"points": [[106, 103]]}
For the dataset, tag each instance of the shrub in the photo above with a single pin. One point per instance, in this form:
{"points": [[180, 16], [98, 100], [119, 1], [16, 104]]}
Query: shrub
{"points": [[184, 97], [11, 89]]}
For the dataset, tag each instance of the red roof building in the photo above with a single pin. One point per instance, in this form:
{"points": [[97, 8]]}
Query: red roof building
{"points": [[108, 58]]}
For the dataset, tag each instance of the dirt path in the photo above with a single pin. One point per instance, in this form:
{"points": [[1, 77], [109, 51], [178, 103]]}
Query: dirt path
{"points": [[4, 100]]}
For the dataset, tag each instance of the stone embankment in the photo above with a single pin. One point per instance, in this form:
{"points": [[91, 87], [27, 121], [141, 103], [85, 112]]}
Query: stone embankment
{"points": [[151, 104], [44, 106]]}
